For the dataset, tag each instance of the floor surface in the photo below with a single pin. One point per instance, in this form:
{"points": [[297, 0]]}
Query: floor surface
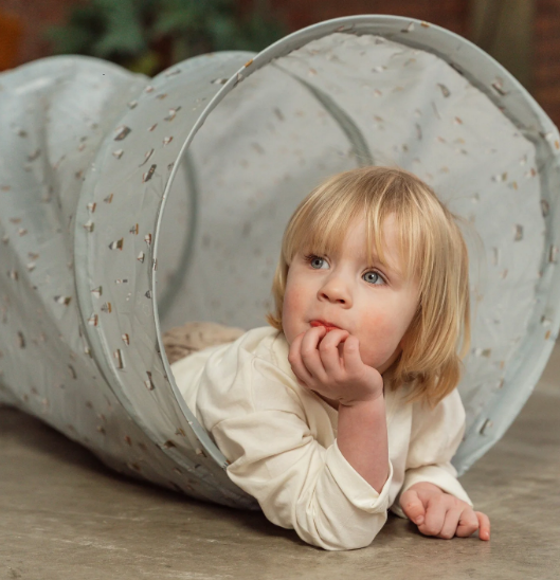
{"points": [[64, 516]]}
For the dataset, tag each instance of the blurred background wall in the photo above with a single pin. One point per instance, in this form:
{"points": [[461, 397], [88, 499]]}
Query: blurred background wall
{"points": [[521, 34]]}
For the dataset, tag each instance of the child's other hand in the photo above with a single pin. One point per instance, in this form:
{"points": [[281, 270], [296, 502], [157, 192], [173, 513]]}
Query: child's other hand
{"points": [[330, 364], [442, 515]]}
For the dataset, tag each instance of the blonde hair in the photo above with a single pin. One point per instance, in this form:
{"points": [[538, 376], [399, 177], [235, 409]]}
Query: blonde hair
{"points": [[432, 250]]}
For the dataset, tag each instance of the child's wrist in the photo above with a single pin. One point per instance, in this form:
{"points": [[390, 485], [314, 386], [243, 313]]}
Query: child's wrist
{"points": [[426, 485], [374, 398], [364, 404]]}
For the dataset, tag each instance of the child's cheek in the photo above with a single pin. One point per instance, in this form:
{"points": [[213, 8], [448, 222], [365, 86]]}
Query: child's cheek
{"points": [[380, 338], [293, 313]]}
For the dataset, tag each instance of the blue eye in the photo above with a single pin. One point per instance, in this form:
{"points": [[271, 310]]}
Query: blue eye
{"points": [[317, 263], [373, 277], [314, 261]]}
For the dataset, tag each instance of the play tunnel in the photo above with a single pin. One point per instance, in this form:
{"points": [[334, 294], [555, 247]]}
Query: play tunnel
{"points": [[130, 205]]}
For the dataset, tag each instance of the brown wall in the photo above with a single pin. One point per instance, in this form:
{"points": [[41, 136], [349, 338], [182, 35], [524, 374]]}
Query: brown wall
{"points": [[31, 17]]}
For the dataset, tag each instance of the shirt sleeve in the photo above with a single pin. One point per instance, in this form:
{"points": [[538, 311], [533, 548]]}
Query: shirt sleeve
{"points": [[435, 437], [298, 482]]}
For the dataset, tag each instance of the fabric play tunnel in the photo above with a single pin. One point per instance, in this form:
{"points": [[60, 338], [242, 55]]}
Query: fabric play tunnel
{"points": [[130, 205]]}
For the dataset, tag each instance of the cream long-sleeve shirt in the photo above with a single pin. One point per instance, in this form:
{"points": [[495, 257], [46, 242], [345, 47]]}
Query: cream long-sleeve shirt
{"points": [[281, 441]]}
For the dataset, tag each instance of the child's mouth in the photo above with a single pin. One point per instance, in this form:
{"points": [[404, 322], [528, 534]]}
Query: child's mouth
{"points": [[328, 327]]}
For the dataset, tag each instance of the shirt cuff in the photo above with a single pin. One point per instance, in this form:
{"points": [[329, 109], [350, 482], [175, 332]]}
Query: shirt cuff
{"points": [[356, 489], [436, 474]]}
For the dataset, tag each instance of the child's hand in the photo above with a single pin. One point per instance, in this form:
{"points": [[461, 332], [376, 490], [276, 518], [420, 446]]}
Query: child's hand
{"points": [[330, 364], [440, 514]]}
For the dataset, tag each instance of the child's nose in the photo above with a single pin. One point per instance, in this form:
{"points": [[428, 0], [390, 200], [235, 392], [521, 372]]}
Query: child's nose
{"points": [[335, 290]]}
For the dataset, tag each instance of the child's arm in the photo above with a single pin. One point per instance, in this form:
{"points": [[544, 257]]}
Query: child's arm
{"points": [[358, 390], [431, 490]]}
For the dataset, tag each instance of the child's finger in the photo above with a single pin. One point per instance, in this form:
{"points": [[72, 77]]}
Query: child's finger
{"points": [[351, 355], [296, 362], [483, 526], [451, 523], [413, 507], [328, 350], [434, 518], [468, 523], [310, 353]]}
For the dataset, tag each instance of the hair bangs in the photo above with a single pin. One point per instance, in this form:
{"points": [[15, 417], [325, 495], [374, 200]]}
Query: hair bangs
{"points": [[321, 226], [412, 246]]}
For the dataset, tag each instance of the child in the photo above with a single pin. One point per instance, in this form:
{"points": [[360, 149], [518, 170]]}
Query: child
{"points": [[346, 405]]}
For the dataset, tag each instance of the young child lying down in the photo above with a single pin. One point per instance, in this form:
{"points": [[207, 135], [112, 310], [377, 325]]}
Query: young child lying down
{"points": [[346, 405]]}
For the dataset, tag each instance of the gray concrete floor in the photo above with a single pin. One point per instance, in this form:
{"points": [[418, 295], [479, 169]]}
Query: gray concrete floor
{"points": [[63, 515]]}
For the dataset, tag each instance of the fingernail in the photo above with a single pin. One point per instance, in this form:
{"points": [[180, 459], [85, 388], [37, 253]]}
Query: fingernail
{"points": [[419, 520]]}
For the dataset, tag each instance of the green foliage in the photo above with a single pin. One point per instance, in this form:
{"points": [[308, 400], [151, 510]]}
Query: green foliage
{"points": [[149, 35]]}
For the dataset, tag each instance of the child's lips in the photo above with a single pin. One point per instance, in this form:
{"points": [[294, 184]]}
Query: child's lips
{"points": [[328, 326]]}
